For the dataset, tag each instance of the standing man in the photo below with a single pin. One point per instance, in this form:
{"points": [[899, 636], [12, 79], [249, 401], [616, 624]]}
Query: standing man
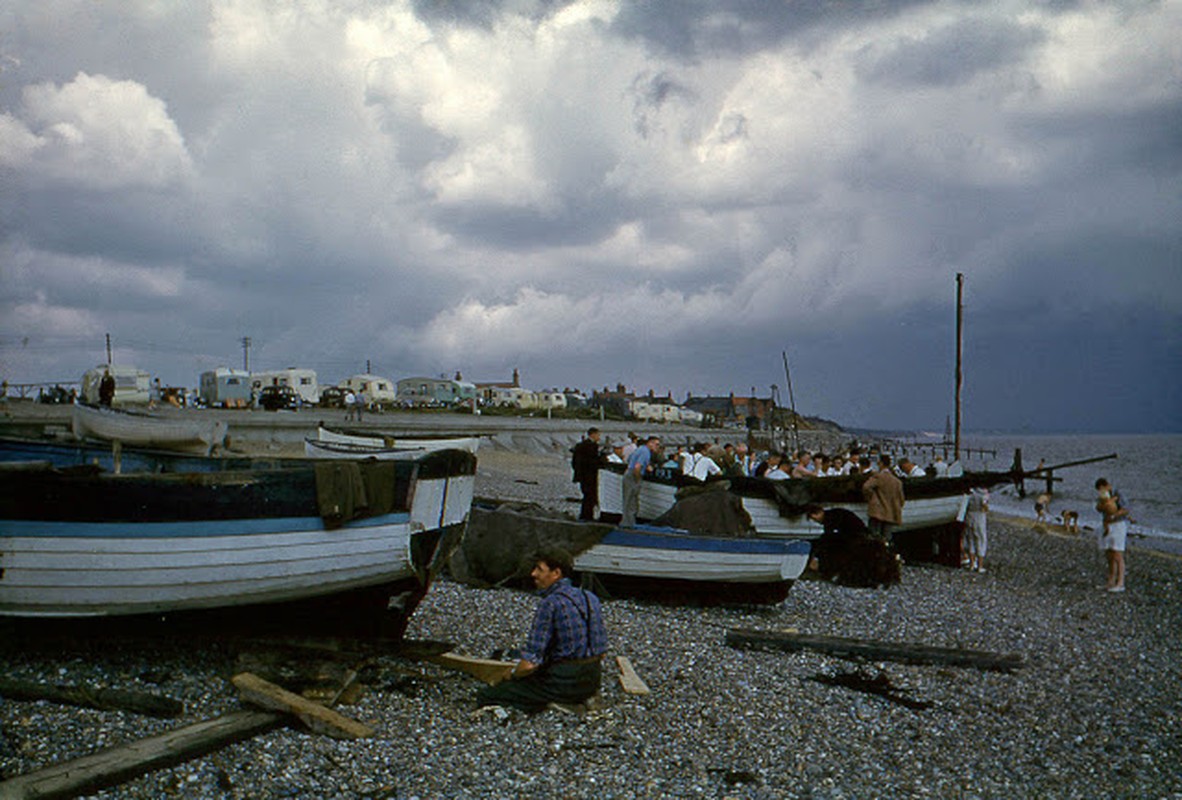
{"points": [[561, 662], [584, 462], [1116, 530], [106, 388], [639, 463], [884, 499]]}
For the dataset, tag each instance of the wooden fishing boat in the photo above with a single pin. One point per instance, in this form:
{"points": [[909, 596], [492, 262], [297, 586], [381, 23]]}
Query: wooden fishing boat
{"points": [[668, 560], [406, 449], [146, 430], [63, 453], [80, 542], [647, 559], [331, 436], [777, 507]]}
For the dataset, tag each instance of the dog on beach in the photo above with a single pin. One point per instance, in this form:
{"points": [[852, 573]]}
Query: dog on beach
{"points": [[1070, 521]]}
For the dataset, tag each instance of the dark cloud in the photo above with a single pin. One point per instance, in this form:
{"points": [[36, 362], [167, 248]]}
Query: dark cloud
{"points": [[697, 29], [949, 55]]}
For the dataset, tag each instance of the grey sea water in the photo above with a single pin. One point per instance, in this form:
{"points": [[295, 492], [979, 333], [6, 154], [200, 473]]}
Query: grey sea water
{"points": [[1147, 472]]}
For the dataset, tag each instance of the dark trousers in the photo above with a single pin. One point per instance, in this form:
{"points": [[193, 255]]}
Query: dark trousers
{"points": [[590, 487], [569, 682]]}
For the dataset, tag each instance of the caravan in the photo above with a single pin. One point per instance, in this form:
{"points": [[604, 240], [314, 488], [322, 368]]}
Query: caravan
{"points": [[132, 386], [303, 381], [225, 387]]}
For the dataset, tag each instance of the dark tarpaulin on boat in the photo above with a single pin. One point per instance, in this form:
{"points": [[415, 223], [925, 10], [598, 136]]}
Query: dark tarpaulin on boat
{"points": [[708, 510], [502, 538], [347, 490]]}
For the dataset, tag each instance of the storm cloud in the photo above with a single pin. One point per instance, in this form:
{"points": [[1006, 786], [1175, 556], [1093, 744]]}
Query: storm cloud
{"points": [[665, 195]]}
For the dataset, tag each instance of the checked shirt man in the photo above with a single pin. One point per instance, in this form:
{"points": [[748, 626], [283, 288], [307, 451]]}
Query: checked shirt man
{"points": [[562, 659]]}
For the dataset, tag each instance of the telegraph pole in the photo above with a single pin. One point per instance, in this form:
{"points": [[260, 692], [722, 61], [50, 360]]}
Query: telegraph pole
{"points": [[246, 354], [108, 349]]}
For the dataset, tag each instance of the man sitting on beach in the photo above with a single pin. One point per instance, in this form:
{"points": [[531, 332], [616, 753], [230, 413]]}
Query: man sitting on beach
{"points": [[562, 660]]}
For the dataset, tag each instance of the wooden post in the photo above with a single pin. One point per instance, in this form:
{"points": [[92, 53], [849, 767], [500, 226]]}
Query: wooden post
{"points": [[959, 354]]}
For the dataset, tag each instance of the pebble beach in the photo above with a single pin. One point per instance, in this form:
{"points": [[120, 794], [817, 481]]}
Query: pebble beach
{"points": [[1096, 711]]}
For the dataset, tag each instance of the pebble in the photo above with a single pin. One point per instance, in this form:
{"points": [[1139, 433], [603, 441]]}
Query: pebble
{"points": [[1096, 711]]}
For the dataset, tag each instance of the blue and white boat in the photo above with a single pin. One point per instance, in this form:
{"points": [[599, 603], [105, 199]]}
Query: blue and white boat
{"points": [[81, 542], [665, 560]]}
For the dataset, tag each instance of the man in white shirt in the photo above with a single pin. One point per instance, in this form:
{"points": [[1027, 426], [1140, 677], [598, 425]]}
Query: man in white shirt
{"points": [[699, 465]]}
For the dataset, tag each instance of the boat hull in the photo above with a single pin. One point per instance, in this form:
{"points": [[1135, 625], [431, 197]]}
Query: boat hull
{"points": [[146, 430], [935, 507], [110, 545]]}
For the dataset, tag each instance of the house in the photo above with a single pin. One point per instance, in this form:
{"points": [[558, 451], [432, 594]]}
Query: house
{"points": [[132, 386], [501, 393], [377, 390], [225, 387], [732, 410], [302, 380]]}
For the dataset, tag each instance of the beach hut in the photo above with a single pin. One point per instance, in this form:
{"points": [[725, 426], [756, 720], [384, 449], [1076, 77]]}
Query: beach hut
{"points": [[225, 387], [303, 381], [132, 386]]}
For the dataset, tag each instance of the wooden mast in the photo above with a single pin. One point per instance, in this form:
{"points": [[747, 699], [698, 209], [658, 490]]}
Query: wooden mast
{"points": [[959, 354]]}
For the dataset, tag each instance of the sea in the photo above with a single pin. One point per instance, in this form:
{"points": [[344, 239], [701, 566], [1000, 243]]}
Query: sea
{"points": [[1147, 471]]}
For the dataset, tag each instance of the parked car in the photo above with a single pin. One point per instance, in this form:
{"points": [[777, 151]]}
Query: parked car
{"points": [[332, 397], [274, 398]]}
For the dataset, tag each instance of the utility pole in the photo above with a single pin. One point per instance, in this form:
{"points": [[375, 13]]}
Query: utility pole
{"points": [[367, 370], [959, 354], [108, 349], [246, 354]]}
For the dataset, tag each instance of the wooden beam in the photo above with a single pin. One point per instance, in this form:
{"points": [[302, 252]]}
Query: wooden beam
{"points": [[153, 705], [487, 670], [117, 765], [318, 718], [868, 650], [629, 680]]}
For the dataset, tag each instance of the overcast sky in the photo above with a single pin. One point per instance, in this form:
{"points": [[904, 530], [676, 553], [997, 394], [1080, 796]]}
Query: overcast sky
{"points": [[662, 194]]}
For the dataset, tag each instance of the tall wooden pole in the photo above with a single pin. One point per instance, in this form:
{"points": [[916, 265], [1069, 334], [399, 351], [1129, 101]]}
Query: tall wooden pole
{"points": [[108, 349], [959, 355], [792, 402]]}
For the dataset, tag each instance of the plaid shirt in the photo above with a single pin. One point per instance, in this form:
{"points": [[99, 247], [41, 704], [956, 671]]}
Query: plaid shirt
{"points": [[568, 625]]}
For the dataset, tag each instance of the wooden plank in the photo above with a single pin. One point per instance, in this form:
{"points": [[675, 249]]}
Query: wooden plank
{"points": [[868, 650], [318, 718], [116, 765], [629, 680], [153, 705], [487, 670]]}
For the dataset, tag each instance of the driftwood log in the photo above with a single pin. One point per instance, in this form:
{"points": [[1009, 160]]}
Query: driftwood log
{"points": [[868, 650], [152, 705], [117, 765], [318, 718]]}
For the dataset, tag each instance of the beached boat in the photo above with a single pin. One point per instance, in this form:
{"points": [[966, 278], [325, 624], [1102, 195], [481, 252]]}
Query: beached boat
{"points": [[646, 559], [65, 453], [146, 430], [330, 436], [668, 560], [81, 542], [777, 507]]}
